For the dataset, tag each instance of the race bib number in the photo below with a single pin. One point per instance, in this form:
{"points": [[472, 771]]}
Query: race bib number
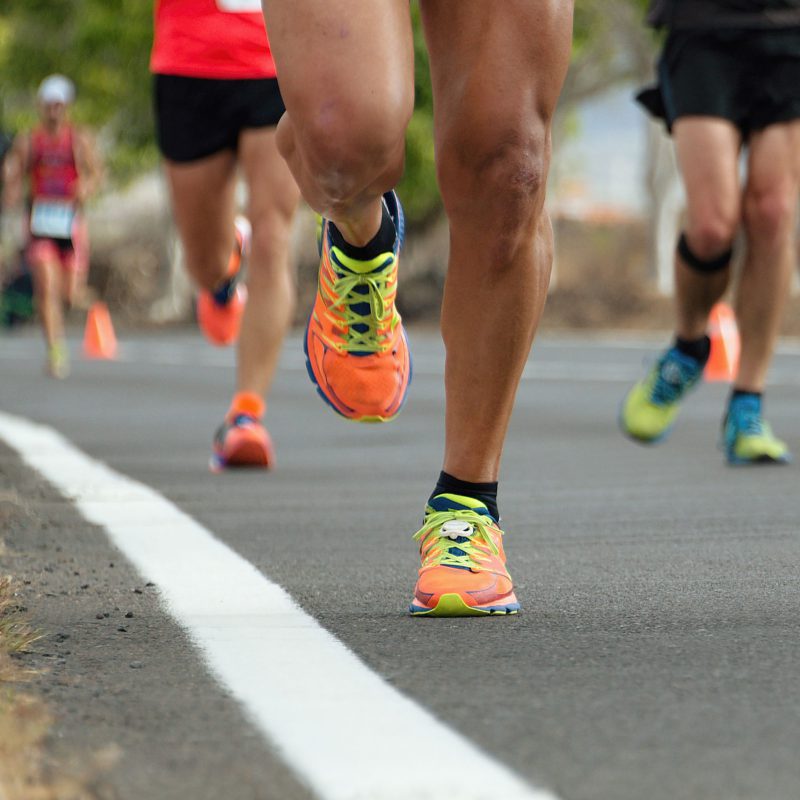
{"points": [[239, 6], [52, 219]]}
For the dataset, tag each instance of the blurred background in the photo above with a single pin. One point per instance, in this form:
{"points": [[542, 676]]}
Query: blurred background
{"points": [[614, 195]]}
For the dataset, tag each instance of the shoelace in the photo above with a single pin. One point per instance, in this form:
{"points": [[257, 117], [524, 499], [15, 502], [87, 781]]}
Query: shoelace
{"points": [[344, 295], [748, 422], [664, 392], [464, 550]]}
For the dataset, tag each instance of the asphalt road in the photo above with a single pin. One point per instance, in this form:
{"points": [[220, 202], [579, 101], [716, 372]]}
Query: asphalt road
{"points": [[657, 653]]}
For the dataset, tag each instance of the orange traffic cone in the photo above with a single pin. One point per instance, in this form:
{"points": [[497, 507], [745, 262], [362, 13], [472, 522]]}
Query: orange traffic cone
{"points": [[723, 360], [99, 340]]}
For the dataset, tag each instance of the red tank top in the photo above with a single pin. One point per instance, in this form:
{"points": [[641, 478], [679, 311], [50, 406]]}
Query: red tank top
{"points": [[53, 171], [211, 39]]}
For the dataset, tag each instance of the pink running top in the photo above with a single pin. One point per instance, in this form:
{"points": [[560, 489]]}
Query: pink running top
{"points": [[53, 170]]}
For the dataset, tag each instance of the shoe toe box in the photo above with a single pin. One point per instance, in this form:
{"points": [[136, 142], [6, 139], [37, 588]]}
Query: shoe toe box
{"points": [[360, 386]]}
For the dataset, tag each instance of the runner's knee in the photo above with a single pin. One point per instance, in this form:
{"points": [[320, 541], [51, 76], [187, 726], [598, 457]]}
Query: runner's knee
{"points": [[498, 181], [488, 160], [348, 150], [770, 213], [701, 264], [708, 238]]}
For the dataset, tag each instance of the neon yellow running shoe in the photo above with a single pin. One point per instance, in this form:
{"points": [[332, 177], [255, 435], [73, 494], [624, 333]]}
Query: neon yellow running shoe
{"points": [[57, 360], [650, 408], [748, 438]]}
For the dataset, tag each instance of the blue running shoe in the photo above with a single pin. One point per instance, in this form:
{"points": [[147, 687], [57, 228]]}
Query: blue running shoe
{"points": [[650, 408], [748, 438]]}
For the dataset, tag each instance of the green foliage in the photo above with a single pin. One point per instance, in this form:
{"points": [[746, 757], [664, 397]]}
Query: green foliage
{"points": [[418, 188], [608, 38], [104, 46]]}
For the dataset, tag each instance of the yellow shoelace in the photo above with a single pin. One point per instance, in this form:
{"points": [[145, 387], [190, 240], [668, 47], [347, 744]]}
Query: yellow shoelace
{"points": [[343, 296], [471, 555]]}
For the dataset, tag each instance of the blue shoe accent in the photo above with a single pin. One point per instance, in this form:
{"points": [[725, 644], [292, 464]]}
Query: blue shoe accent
{"points": [[747, 438], [441, 503], [677, 373], [649, 410]]}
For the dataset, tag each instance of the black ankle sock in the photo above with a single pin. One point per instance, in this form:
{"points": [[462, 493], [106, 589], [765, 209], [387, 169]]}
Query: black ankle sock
{"points": [[698, 349], [382, 242], [745, 393], [224, 292], [485, 492]]}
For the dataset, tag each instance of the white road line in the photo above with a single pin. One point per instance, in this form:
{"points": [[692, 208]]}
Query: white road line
{"points": [[345, 732]]}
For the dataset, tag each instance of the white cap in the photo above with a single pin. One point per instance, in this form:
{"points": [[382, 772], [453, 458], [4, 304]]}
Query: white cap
{"points": [[56, 89]]}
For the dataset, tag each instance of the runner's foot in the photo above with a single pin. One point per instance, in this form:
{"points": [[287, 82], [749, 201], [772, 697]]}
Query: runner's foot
{"points": [[242, 440], [650, 408], [747, 437], [219, 313], [57, 365], [463, 570], [356, 348]]}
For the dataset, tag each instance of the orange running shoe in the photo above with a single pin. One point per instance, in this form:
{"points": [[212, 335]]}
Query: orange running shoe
{"points": [[463, 572], [242, 440], [219, 314], [356, 348]]}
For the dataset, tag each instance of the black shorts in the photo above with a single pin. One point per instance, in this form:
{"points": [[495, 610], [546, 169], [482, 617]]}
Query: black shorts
{"points": [[64, 246], [196, 117], [751, 78]]}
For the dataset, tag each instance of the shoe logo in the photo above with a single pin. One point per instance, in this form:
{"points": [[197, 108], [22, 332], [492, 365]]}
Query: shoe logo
{"points": [[672, 374], [455, 528]]}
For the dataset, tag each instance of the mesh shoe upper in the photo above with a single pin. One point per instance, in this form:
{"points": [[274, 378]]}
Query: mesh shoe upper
{"points": [[461, 549], [356, 347], [748, 437], [650, 408], [242, 441]]}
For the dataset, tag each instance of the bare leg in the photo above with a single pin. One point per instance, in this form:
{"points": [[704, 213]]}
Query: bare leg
{"points": [[346, 70], [770, 213], [75, 291], [73, 287], [497, 70], [708, 153], [47, 285], [203, 206], [273, 198]]}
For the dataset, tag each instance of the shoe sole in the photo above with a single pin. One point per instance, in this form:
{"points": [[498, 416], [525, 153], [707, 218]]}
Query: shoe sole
{"points": [[736, 461], [365, 417], [453, 605]]}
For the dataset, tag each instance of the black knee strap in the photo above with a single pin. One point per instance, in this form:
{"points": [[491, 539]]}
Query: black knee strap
{"points": [[704, 265]]}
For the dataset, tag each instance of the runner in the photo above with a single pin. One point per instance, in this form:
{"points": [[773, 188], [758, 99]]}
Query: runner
{"points": [[729, 78], [346, 71], [62, 168], [217, 104]]}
